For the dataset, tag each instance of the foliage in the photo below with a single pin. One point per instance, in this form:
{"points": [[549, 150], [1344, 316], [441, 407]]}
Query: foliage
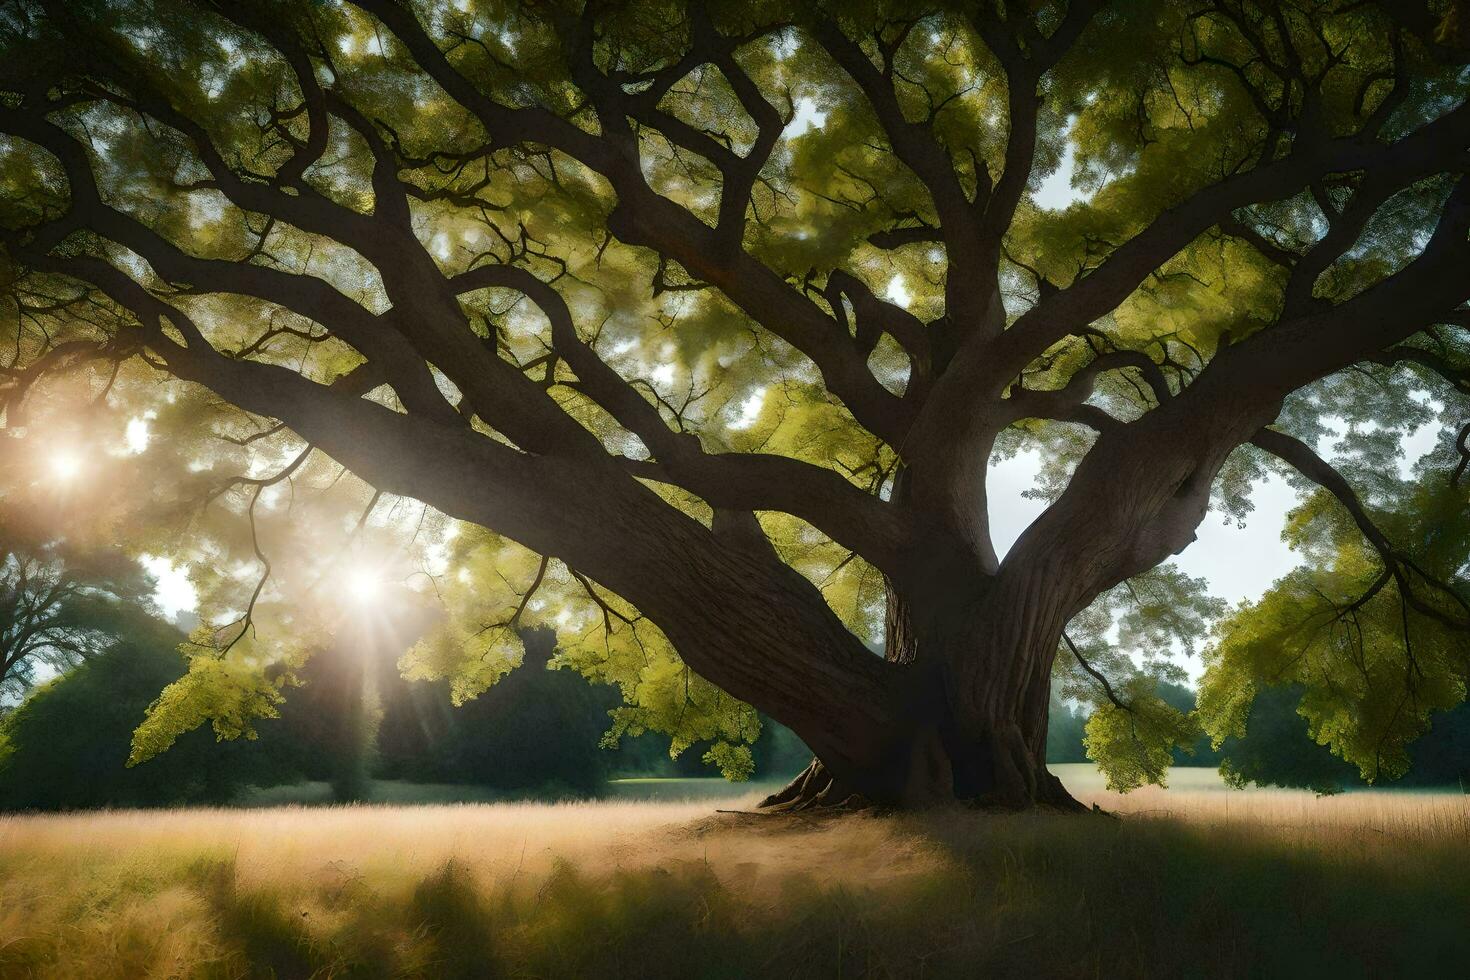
{"points": [[1371, 650], [1065, 730], [597, 635], [1277, 749], [538, 734], [1182, 699], [1134, 745], [1442, 756], [351, 718], [536, 731], [1143, 720], [66, 746], [230, 695], [613, 645]]}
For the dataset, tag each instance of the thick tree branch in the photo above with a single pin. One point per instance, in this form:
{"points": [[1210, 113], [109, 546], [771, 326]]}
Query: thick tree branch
{"points": [[646, 218], [1062, 402], [740, 481], [967, 288], [1435, 147], [1025, 57]]}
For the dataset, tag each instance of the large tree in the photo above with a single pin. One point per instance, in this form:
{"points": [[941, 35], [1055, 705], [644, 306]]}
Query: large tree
{"points": [[721, 314]]}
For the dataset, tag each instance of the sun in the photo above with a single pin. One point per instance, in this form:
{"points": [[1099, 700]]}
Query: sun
{"points": [[364, 586], [65, 465]]}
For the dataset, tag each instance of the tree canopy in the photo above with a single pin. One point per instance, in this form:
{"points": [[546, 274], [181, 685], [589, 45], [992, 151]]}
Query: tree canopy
{"points": [[690, 330]]}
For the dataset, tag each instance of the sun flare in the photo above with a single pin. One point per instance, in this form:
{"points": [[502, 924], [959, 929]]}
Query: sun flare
{"points": [[65, 465], [364, 586]]}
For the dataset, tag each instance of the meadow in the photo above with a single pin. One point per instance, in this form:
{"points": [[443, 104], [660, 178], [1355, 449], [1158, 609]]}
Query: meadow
{"points": [[1191, 881]]}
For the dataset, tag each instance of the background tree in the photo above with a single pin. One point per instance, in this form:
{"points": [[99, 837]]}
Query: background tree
{"points": [[55, 606], [1360, 666], [691, 381], [1278, 749], [1065, 730], [338, 710], [66, 746], [538, 730]]}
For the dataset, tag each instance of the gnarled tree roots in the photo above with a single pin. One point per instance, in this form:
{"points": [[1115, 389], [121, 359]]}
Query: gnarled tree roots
{"points": [[815, 788]]}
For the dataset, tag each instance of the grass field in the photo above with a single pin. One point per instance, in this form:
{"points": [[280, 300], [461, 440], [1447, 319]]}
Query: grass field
{"points": [[1193, 881]]}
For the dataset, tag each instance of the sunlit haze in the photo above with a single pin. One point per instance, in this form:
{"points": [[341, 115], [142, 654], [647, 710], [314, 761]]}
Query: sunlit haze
{"points": [[65, 465], [363, 586]]}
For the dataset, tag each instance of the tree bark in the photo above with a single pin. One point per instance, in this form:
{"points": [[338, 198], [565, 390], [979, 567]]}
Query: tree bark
{"points": [[998, 762], [971, 696]]}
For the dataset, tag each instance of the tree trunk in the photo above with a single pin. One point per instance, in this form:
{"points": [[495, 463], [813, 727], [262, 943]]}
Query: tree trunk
{"points": [[973, 641], [973, 716], [941, 763], [972, 647]]}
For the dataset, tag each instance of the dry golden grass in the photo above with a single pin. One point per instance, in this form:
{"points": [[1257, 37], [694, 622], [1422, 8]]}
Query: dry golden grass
{"points": [[1193, 881], [269, 845], [1323, 821]]}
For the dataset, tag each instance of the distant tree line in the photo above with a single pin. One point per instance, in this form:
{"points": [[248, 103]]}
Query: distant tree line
{"points": [[537, 733], [353, 719]]}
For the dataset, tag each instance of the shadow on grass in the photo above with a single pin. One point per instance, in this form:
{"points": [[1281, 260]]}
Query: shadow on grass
{"points": [[1062, 896], [1033, 896], [271, 941]]}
